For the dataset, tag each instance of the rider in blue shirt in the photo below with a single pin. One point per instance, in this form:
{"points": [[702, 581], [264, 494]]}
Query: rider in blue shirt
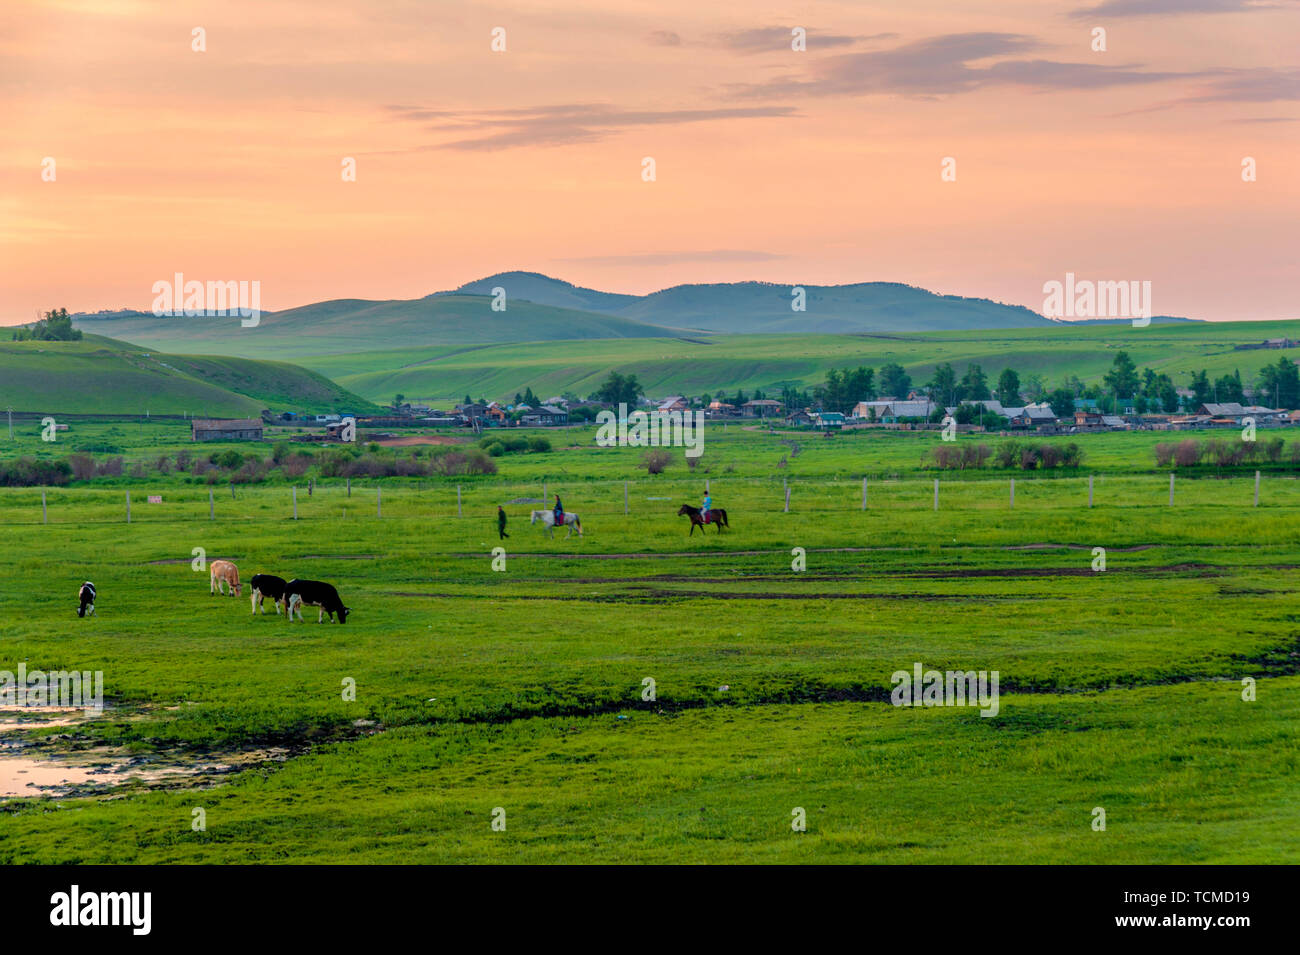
{"points": [[708, 503], [558, 512]]}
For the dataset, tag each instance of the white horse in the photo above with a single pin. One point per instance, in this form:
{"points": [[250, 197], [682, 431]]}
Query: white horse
{"points": [[571, 521]]}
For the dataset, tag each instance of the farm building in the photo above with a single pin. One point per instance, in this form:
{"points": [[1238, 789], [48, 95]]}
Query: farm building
{"points": [[761, 408], [827, 419], [225, 429], [674, 403], [545, 415]]}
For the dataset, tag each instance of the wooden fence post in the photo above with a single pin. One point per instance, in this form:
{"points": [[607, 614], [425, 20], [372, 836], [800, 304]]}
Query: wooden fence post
{"points": [[45, 515], [787, 499], [1171, 489], [1013, 492], [1090, 490], [1257, 489], [936, 494], [128, 507], [379, 501], [212, 509], [295, 502], [625, 508], [458, 511]]}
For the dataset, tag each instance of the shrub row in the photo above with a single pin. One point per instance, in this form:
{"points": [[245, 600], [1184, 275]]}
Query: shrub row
{"points": [[1010, 454], [1216, 451]]}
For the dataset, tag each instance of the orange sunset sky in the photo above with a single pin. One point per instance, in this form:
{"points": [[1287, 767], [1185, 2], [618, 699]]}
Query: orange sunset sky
{"points": [[796, 167]]}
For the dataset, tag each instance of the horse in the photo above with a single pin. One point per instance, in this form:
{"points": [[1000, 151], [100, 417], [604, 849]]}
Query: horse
{"points": [[716, 516], [571, 521]]}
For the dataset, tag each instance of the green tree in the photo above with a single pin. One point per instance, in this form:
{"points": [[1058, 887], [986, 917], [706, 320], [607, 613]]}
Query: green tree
{"points": [[1279, 384], [974, 384], [943, 385], [1061, 401], [1229, 388], [1122, 379], [56, 326], [894, 381], [1009, 387], [1200, 387]]}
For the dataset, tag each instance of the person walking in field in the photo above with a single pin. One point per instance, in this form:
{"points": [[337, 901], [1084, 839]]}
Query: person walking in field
{"points": [[501, 522]]}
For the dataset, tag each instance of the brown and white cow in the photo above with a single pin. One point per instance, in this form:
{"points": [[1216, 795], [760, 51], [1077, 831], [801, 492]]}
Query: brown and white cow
{"points": [[223, 573]]}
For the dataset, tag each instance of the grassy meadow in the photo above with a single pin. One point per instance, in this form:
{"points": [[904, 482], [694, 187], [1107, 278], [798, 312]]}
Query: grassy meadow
{"points": [[520, 688], [696, 363]]}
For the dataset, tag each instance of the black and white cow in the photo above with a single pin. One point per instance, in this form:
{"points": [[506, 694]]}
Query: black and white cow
{"points": [[314, 593], [87, 598], [267, 585]]}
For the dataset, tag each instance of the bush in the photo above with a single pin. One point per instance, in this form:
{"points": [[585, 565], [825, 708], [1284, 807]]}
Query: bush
{"points": [[496, 449], [656, 461], [82, 465], [539, 445], [1187, 454], [34, 472]]}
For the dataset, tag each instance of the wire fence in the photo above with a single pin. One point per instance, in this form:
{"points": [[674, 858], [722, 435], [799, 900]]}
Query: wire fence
{"points": [[447, 500]]}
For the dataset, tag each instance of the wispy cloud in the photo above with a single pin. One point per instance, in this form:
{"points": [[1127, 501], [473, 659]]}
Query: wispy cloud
{"points": [[561, 125], [664, 38], [675, 258], [952, 63], [777, 39], [1260, 85], [1163, 8]]}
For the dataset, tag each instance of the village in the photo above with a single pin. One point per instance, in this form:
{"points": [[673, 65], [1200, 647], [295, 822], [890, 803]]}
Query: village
{"points": [[916, 411]]}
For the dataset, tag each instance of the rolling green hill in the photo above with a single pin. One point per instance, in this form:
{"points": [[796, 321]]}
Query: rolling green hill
{"points": [[765, 307], [692, 366], [101, 375], [348, 325]]}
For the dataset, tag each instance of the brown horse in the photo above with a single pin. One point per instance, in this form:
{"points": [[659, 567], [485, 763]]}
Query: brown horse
{"points": [[716, 516]]}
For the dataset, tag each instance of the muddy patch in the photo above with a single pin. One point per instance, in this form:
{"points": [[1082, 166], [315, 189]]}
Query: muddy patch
{"points": [[48, 765], [1088, 547]]}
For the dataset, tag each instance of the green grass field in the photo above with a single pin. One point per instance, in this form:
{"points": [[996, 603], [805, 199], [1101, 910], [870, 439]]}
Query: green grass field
{"points": [[521, 689], [103, 376], [697, 363]]}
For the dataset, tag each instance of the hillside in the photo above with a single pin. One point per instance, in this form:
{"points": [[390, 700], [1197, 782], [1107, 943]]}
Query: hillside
{"points": [[692, 366], [765, 307], [102, 375], [347, 325]]}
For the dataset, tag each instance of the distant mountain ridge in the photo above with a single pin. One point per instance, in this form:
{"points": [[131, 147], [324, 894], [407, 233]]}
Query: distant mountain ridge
{"points": [[538, 307], [766, 307]]}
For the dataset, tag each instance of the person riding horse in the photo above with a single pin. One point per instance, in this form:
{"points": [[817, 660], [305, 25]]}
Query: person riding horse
{"points": [[704, 509], [558, 511]]}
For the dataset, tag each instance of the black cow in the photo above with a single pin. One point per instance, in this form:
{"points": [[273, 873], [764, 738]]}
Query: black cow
{"points": [[314, 593], [87, 598], [267, 585]]}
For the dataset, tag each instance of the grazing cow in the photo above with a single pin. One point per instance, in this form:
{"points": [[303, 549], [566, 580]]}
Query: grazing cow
{"points": [[87, 598], [313, 593], [221, 573], [267, 585]]}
